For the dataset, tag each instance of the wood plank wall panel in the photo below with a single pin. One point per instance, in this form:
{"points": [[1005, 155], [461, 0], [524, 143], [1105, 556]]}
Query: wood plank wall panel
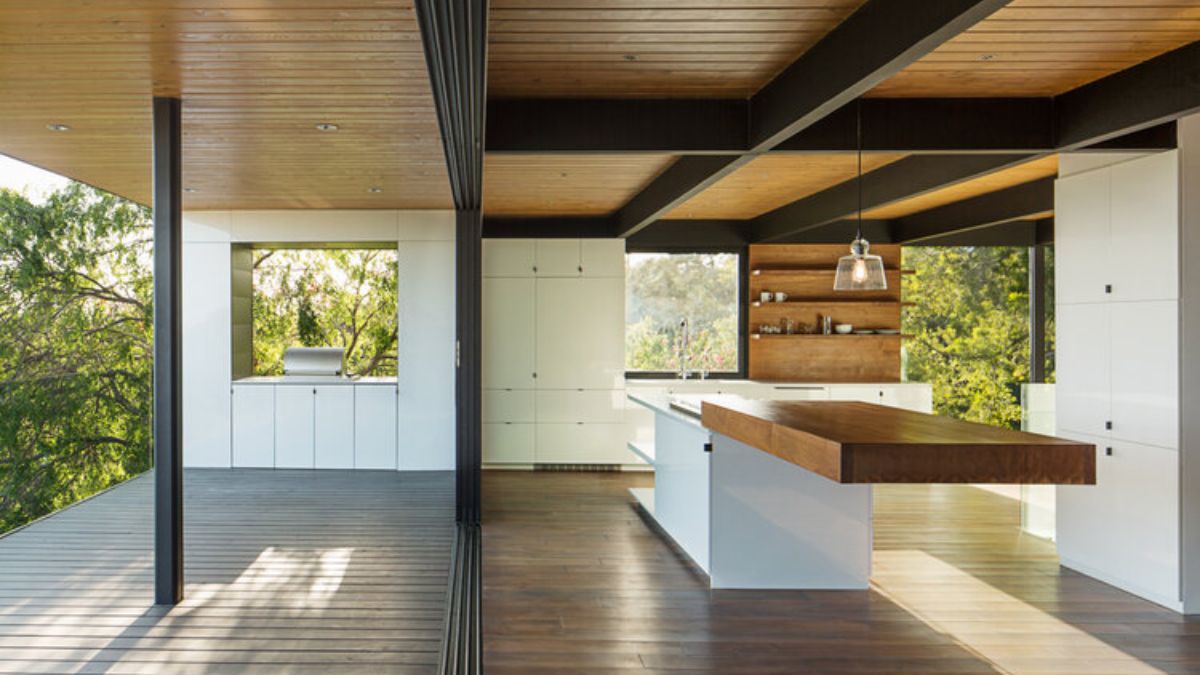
{"points": [[255, 78], [771, 181], [1047, 47], [1022, 173], [565, 185], [806, 272], [621, 48]]}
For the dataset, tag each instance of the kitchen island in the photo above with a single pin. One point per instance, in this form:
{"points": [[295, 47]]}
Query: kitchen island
{"points": [[788, 483]]}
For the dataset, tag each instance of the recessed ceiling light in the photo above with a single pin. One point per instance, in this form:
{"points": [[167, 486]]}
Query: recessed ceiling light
{"points": [[631, 57], [374, 189], [987, 57], [327, 126], [58, 127], [189, 189]]}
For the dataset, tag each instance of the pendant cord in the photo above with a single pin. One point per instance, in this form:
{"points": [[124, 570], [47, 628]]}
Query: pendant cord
{"points": [[858, 140]]}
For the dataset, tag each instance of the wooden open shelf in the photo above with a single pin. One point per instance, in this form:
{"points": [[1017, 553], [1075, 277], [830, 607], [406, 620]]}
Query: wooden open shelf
{"points": [[806, 272]]}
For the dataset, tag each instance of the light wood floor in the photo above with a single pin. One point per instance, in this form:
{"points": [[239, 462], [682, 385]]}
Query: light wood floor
{"points": [[576, 582], [287, 572]]}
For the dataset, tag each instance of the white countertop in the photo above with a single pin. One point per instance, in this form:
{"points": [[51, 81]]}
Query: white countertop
{"points": [[661, 403], [299, 379]]}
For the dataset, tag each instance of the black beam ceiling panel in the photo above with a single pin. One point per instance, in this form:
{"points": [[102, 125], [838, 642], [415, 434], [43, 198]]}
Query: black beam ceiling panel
{"points": [[1000, 206], [688, 176], [534, 227], [688, 236]]}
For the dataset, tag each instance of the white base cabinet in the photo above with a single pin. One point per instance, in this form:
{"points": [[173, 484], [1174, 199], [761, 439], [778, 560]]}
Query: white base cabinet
{"points": [[334, 427], [375, 427], [253, 426], [294, 426]]}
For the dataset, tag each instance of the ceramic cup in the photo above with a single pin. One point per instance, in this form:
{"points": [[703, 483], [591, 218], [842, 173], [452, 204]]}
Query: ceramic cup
{"points": [[765, 297], [780, 296]]}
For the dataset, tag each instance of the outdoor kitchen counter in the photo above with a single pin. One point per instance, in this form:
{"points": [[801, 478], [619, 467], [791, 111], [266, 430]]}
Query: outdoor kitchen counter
{"points": [[300, 379]]}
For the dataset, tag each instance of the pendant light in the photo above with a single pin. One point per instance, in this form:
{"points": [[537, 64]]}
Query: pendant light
{"points": [[860, 271]]}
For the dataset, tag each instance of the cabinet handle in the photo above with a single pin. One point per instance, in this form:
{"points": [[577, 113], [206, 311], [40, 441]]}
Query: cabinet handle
{"points": [[535, 269], [1108, 288], [581, 269], [1108, 425], [314, 391], [1108, 451], [535, 376]]}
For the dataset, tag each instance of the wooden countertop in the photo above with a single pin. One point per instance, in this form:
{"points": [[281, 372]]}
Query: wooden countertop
{"points": [[852, 442]]}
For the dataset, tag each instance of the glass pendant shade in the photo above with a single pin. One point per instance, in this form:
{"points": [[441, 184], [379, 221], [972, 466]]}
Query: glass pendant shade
{"points": [[860, 271]]}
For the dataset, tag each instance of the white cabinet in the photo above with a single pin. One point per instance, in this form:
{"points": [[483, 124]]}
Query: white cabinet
{"points": [[1124, 530], [1083, 368], [1145, 372], [253, 426], [602, 257], [558, 258], [375, 427], [794, 392], [508, 405], [1082, 237], [508, 258], [909, 397], [334, 427], [580, 333], [581, 406], [508, 443], [294, 426], [508, 333], [582, 443], [1145, 228]]}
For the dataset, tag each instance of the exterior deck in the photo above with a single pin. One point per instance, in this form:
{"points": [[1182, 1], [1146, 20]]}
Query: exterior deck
{"points": [[286, 571]]}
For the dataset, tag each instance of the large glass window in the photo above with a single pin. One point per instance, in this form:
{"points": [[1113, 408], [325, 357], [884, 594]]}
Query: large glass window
{"points": [[664, 289]]}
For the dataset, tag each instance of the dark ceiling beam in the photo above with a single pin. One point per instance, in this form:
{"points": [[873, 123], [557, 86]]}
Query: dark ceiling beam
{"points": [[556, 227], [1001, 206], [671, 126], [688, 236], [1021, 233], [894, 182], [1164, 88], [879, 39]]}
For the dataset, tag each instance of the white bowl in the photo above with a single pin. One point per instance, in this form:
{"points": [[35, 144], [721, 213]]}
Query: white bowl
{"points": [[843, 328]]}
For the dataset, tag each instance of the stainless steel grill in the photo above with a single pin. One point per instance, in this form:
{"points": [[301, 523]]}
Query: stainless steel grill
{"points": [[312, 362]]}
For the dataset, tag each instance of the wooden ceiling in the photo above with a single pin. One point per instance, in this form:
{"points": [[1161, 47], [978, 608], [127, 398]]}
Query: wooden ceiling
{"points": [[1016, 175], [770, 181], [565, 185], [1047, 47], [256, 77], [624, 48]]}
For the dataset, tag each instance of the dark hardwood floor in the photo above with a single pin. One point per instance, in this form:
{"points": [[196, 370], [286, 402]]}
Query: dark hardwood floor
{"points": [[576, 582]]}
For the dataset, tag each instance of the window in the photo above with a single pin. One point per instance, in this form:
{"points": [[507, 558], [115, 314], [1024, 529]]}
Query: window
{"points": [[663, 289], [325, 298]]}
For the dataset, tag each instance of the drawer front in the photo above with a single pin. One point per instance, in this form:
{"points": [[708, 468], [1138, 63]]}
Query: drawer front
{"points": [[589, 405], [583, 444], [508, 443], [508, 405]]}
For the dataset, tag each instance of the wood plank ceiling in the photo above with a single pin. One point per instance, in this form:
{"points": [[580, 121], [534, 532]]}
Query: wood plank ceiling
{"points": [[256, 77], [1047, 47], [624, 48], [565, 185]]}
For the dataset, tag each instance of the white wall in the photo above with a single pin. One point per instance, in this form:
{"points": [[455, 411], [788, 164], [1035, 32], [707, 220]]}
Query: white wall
{"points": [[427, 296]]}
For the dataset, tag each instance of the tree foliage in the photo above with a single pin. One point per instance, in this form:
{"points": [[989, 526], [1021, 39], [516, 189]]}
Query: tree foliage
{"points": [[75, 348], [969, 320], [326, 298], [663, 289]]}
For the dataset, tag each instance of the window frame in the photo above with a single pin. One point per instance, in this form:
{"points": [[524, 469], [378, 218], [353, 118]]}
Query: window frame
{"points": [[743, 310]]}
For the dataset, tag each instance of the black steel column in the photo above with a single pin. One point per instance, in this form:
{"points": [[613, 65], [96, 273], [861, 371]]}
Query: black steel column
{"points": [[168, 440], [1037, 313], [468, 356]]}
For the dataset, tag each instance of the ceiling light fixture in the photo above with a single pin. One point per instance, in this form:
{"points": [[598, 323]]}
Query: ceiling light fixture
{"points": [[860, 271], [189, 189], [58, 127], [374, 189], [326, 126]]}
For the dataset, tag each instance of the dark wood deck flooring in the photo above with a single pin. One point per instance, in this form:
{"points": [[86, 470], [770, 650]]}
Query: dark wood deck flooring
{"points": [[286, 571], [576, 582]]}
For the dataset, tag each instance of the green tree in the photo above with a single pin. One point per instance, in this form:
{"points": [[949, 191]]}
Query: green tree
{"points": [[75, 348], [316, 298], [970, 327]]}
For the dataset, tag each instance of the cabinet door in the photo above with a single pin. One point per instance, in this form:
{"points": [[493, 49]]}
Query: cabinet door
{"points": [[580, 333], [1081, 237], [918, 398], [508, 257], [557, 258], [1083, 387], [508, 333], [506, 443], [254, 426], [582, 443], [795, 392], [602, 257], [1145, 228], [294, 426], [508, 405], [581, 406], [375, 427], [851, 393], [1145, 372], [334, 424]]}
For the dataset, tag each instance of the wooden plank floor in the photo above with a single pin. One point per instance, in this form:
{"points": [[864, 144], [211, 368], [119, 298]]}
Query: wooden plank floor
{"points": [[576, 582], [286, 571]]}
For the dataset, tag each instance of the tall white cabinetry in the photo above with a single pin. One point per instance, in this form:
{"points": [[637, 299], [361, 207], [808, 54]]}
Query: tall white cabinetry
{"points": [[1117, 231], [553, 351]]}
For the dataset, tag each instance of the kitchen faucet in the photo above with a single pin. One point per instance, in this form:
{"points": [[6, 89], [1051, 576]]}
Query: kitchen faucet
{"points": [[683, 343]]}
